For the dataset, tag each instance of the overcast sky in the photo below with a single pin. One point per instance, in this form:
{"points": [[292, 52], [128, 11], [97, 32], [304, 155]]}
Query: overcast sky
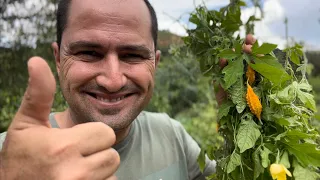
{"points": [[303, 18]]}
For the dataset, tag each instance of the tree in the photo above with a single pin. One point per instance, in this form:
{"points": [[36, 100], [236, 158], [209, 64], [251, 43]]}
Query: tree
{"points": [[16, 50]]}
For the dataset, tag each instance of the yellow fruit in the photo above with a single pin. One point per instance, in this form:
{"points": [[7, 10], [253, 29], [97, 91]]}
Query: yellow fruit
{"points": [[253, 102], [251, 77]]}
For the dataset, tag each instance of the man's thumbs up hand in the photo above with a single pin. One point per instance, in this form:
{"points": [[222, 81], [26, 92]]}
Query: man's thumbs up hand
{"points": [[33, 150], [38, 98]]}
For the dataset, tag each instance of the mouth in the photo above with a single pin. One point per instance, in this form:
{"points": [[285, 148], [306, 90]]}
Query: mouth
{"points": [[109, 99]]}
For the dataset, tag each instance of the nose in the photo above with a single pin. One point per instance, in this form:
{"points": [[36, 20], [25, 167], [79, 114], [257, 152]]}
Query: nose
{"points": [[112, 77]]}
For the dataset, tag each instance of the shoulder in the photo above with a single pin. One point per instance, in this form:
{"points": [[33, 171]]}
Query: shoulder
{"points": [[161, 125], [2, 138], [167, 129], [159, 121], [157, 118]]}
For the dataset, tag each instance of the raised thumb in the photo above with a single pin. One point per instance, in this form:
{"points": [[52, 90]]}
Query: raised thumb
{"points": [[38, 98]]}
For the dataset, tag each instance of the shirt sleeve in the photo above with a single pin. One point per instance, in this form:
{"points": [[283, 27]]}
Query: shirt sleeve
{"points": [[192, 151]]}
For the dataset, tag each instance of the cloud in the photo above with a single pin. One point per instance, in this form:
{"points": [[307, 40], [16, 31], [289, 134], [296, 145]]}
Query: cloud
{"points": [[169, 11], [271, 29], [168, 14], [273, 12]]}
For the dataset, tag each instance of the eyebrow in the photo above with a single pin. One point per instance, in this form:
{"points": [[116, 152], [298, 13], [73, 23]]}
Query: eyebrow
{"points": [[84, 44], [131, 47], [138, 48]]}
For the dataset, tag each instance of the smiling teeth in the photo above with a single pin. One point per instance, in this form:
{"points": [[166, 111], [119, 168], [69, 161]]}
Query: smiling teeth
{"points": [[110, 100]]}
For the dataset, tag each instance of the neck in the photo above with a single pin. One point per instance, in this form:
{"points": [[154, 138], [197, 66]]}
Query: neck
{"points": [[64, 121], [122, 134]]}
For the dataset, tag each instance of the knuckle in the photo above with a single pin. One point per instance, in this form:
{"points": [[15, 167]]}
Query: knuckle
{"points": [[74, 174], [61, 148], [82, 175], [106, 131], [112, 160], [115, 157]]}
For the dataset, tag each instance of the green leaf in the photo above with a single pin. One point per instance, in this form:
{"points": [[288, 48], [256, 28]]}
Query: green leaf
{"points": [[268, 59], [303, 85], [280, 136], [272, 73], [307, 99], [232, 22], [265, 157], [211, 177], [234, 162], [228, 54], [285, 96], [242, 3], [238, 47], [285, 160], [258, 168], [194, 19], [232, 72], [252, 18], [306, 153], [301, 173], [286, 120], [210, 152], [265, 48], [247, 136], [223, 163], [237, 95], [202, 160], [298, 135], [224, 109], [255, 45], [295, 53], [295, 58]]}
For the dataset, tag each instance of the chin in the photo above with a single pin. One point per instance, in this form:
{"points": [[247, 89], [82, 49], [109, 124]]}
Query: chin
{"points": [[117, 120]]}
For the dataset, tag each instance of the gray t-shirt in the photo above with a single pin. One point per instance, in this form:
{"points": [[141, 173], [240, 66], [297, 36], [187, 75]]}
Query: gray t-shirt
{"points": [[157, 148]]}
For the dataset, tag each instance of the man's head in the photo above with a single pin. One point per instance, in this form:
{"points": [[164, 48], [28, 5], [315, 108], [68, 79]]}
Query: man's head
{"points": [[106, 59], [63, 10]]}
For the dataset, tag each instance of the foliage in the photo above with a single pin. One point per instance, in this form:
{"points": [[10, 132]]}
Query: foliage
{"points": [[284, 134], [172, 93], [313, 57], [15, 53], [188, 99]]}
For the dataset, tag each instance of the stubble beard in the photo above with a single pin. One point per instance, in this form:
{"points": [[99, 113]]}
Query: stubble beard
{"points": [[117, 119]]}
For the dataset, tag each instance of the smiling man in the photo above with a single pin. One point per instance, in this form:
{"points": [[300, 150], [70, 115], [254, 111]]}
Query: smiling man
{"points": [[106, 58], [106, 61]]}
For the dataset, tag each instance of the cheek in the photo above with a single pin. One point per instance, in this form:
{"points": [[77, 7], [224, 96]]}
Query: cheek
{"points": [[142, 74], [76, 74]]}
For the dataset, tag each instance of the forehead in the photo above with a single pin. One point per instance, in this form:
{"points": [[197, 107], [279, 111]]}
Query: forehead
{"points": [[121, 19]]}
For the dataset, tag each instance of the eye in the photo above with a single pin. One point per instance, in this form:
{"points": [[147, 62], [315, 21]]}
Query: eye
{"points": [[89, 53], [131, 56], [89, 56]]}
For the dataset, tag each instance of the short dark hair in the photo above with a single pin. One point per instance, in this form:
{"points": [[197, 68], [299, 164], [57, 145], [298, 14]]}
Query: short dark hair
{"points": [[63, 13]]}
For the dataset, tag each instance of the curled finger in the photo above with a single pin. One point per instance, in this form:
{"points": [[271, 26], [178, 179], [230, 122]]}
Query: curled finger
{"points": [[112, 178], [104, 163]]}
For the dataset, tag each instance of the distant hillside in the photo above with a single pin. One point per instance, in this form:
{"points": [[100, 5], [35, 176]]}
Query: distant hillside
{"points": [[314, 58], [165, 39]]}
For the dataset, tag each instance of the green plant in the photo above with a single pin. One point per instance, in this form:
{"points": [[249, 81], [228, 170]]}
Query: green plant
{"points": [[284, 135]]}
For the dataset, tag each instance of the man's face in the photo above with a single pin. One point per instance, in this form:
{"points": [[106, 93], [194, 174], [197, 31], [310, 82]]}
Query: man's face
{"points": [[107, 61]]}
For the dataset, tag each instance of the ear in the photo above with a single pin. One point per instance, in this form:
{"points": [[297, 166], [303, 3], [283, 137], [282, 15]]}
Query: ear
{"points": [[56, 53], [158, 56]]}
